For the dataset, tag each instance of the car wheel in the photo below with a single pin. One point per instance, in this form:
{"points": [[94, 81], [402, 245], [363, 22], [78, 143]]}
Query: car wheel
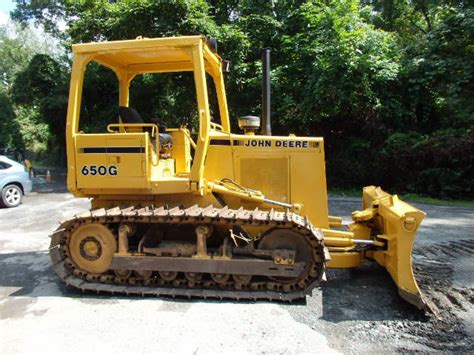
{"points": [[11, 196]]}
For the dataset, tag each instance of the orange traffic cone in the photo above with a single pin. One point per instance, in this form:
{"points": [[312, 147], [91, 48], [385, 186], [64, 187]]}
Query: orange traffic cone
{"points": [[48, 177]]}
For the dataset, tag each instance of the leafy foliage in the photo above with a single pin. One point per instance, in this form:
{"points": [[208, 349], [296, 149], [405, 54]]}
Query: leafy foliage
{"points": [[388, 83], [43, 86], [22, 126], [18, 45], [9, 130]]}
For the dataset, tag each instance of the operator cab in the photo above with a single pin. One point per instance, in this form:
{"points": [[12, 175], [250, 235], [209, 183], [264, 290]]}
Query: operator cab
{"points": [[137, 154]]}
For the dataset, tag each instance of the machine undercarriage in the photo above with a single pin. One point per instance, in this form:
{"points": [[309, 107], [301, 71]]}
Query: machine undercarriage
{"points": [[193, 252]]}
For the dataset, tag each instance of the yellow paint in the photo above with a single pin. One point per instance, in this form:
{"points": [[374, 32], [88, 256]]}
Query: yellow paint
{"points": [[241, 169], [345, 260], [397, 224]]}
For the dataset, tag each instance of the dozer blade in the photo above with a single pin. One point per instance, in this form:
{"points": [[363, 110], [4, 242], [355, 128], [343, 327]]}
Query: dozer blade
{"points": [[396, 222]]}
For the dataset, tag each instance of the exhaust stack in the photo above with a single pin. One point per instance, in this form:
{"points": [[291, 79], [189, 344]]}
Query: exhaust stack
{"points": [[266, 107]]}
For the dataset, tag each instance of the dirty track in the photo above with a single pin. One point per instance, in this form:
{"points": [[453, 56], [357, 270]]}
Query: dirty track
{"points": [[194, 215]]}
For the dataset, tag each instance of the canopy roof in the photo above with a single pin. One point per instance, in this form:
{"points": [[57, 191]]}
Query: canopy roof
{"points": [[149, 55]]}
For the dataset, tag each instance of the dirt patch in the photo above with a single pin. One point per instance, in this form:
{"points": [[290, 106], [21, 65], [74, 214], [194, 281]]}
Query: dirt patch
{"points": [[360, 310], [434, 268]]}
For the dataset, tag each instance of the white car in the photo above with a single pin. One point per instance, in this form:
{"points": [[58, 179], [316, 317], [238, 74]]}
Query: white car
{"points": [[14, 182]]}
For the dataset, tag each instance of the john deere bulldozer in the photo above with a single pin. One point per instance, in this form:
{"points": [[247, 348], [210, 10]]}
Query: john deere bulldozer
{"points": [[214, 214]]}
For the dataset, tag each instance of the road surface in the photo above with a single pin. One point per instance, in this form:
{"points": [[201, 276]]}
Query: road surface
{"points": [[356, 310]]}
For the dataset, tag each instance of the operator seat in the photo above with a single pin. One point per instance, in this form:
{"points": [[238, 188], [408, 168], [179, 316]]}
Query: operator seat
{"points": [[130, 115]]}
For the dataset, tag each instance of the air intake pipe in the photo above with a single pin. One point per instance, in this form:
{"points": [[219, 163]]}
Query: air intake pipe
{"points": [[266, 107]]}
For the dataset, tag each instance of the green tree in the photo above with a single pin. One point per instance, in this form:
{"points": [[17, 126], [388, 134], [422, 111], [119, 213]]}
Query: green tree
{"points": [[387, 83], [9, 129], [19, 124], [18, 44], [43, 85]]}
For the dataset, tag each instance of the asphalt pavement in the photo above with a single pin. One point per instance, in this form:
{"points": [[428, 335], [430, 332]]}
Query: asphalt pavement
{"points": [[355, 311]]}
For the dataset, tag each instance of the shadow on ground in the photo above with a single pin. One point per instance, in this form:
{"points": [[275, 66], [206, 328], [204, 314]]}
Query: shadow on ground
{"points": [[22, 273], [366, 293], [30, 274]]}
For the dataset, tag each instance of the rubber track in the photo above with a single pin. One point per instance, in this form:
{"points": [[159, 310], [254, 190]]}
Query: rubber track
{"points": [[268, 290]]}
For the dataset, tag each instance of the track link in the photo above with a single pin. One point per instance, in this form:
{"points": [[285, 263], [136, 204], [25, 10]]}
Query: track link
{"points": [[261, 290]]}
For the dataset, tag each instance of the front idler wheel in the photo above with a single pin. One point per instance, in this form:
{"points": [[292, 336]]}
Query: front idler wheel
{"points": [[92, 247]]}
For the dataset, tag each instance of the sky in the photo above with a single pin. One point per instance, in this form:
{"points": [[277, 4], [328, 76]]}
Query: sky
{"points": [[53, 44], [8, 5], [5, 7]]}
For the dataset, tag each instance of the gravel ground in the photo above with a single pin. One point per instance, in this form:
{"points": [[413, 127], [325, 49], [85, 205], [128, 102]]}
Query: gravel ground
{"points": [[359, 310], [355, 311]]}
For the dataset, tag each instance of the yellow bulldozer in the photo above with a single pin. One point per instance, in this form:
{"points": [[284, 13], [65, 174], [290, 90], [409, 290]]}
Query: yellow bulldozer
{"points": [[213, 214]]}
